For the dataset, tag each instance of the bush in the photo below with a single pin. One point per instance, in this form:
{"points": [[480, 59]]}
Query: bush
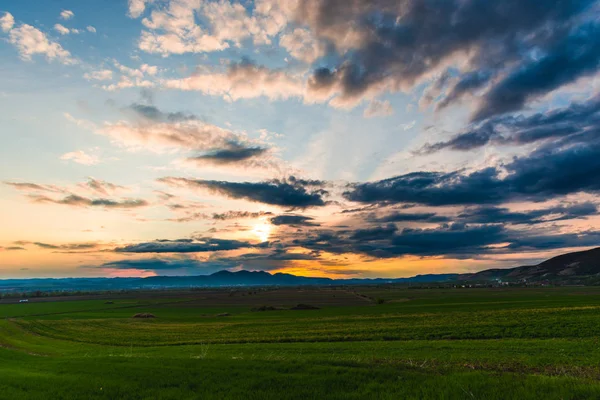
{"points": [[304, 307], [264, 308], [144, 315]]}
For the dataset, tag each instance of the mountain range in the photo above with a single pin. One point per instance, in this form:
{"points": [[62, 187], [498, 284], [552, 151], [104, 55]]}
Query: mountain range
{"points": [[578, 267]]}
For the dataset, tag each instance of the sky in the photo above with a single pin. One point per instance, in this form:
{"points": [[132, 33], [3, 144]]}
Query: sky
{"points": [[355, 138]]}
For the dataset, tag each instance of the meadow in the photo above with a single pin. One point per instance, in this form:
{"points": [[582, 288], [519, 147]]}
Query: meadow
{"points": [[380, 342]]}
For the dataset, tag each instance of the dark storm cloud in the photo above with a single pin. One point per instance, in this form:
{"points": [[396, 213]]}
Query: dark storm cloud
{"points": [[382, 44], [432, 188], [408, 217], [272, 260], [292, 219], [80, 201], [578, 121], [387, 241], [184, 246], [153, 264], [234, 154], [452, 240], [290, 192], [555, 169], [575, 56], [376, 233], [466, 83], [487, 215]]}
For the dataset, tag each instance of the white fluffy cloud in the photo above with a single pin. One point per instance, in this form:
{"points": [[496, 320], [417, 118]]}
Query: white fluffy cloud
{"points": [[61, 29], [7, 22], [137, 7], [91, 29], [67, 14], [301, 44], [101, 75], [174, 30], [133, 77], [80, 157], [30, 41]]}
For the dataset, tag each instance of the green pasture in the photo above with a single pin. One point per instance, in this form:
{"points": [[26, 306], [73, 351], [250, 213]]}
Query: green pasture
{"points": [[513, 343]]}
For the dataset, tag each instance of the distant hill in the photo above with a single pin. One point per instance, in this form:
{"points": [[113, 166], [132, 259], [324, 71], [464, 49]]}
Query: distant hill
{"points": [[218, 279], [577, 265]]}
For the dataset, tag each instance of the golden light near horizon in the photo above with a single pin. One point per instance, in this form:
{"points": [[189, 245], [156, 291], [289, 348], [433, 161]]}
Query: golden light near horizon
{"points": [[262, 231]]}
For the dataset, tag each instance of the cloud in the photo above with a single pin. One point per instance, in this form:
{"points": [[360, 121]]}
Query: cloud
{"points": [[573, 57], [80, 201], [66, 14], [380, 46], [101, 187], [68, 246], [133, 77], [80, 157], [457, 240], [191, 214], [11, 248], [361, 48], [100, 75], [272, 260], [290, 192], [27, 186], [302, 45], [408, 126], [137, 7], [408, 217], [378, 108], [467, 83], [143, 70], [30, 41], [239, 214], [244, 80], [577, 121], [91, 29], [155, 264], [556, 169], [152, 113], [205, 145], [72, 196], [61, 29], [199, 245], [293, 220], [173, 29], [499, 215], [7, 21], [158, 131], [235, 154]]}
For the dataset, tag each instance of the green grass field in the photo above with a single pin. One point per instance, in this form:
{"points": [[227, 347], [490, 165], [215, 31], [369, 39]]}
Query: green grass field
{"points": [[517, 343]]}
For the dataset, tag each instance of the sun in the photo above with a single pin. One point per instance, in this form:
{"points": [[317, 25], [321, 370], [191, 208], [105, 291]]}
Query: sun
{"points": [[262, 231]]}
